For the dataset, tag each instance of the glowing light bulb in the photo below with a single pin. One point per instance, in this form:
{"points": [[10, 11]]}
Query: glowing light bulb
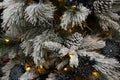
{"points": [[69, 30], [41, 69], [7, 40], [28, 69], [74, 6], [65, 69], [71, 54], [96, 74], [41, 66], [107, 33]]}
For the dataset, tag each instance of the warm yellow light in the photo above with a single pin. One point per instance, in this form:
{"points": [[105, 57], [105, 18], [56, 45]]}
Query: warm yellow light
{"points": [[28, 68], [96, 74], [7, 40], [71, 54], [41, 69], [107, 33], [74, 6], [65, 69], [41, 66], [69, 30]]}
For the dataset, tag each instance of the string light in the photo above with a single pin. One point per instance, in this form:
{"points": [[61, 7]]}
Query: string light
{"points": [[96, 74], [7, 40], [71, 54], [41, 66], [69, 30], [41, 69], [65, 69], [107, 33], [73, 6], [27, 67]]}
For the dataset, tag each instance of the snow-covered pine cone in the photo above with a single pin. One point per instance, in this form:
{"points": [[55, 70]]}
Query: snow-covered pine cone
{"points": [[98, 6], [102, 6], [73, 40]]}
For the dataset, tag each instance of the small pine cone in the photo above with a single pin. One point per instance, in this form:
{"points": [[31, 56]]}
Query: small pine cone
{"points": [[102, 6], [73, 40]]}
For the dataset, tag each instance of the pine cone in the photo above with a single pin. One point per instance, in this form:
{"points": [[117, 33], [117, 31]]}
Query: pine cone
{"points": [[73, 40], [102, 6]]}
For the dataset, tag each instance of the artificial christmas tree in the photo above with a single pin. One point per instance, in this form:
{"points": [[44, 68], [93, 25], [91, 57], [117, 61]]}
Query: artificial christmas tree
{"points": [[60, 40]]}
